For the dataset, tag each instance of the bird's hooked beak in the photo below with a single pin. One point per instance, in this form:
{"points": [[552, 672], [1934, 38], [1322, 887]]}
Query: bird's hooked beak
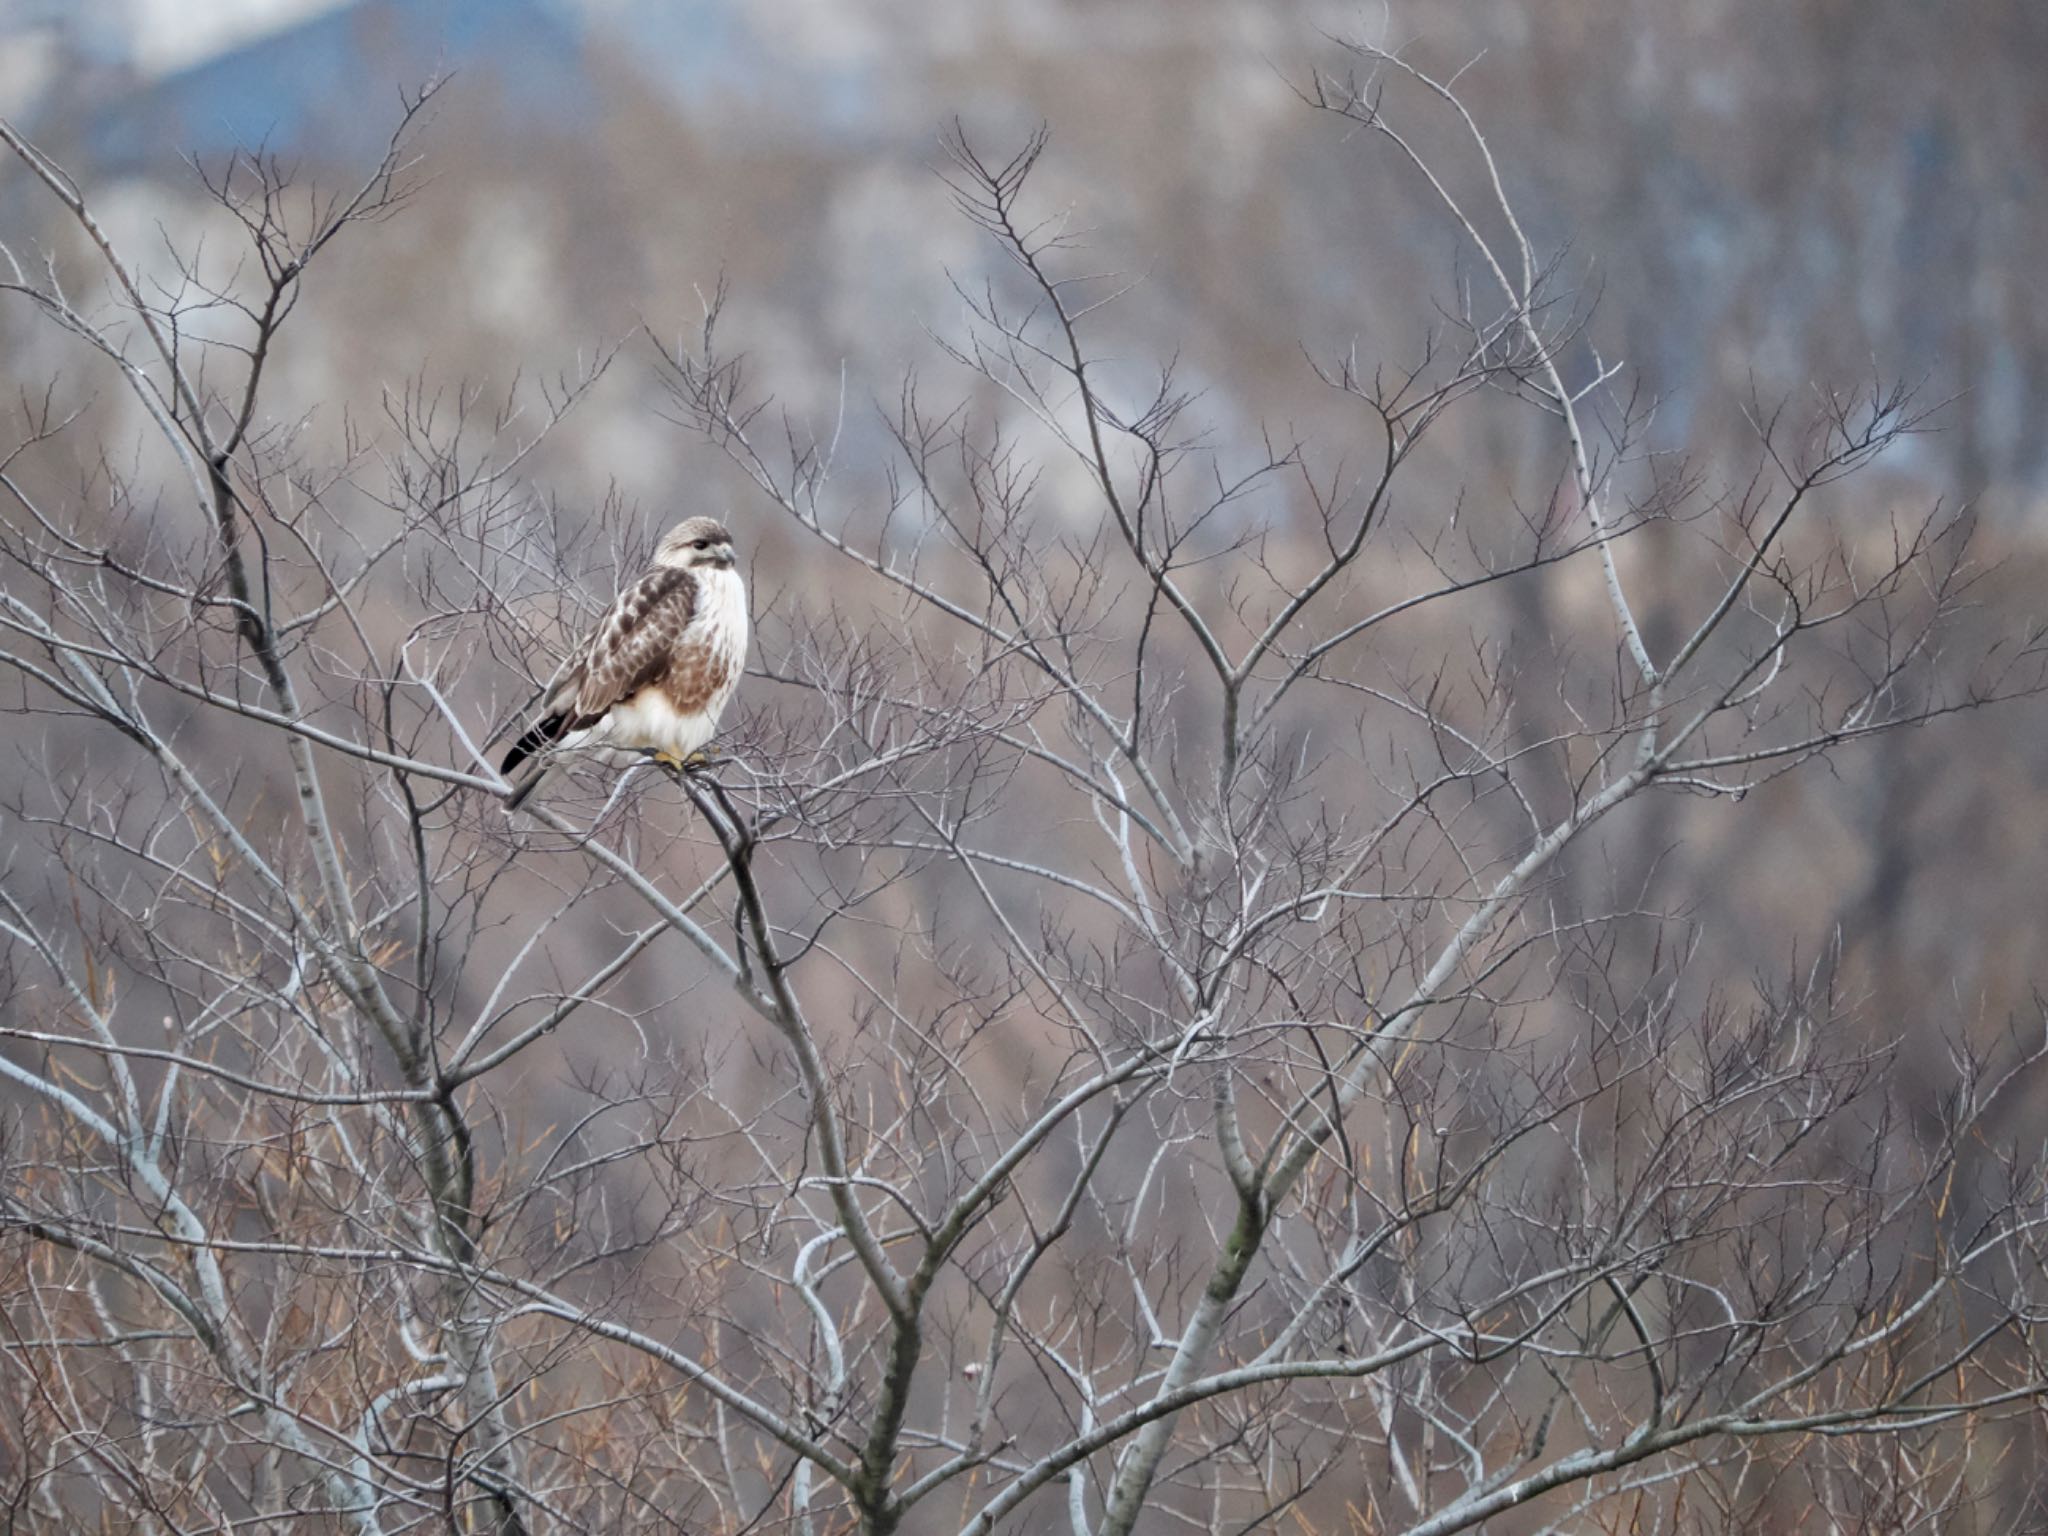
{"points": [[724, 558]]}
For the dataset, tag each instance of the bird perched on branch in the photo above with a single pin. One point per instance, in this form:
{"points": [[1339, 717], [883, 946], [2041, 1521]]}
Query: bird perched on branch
{"points": [[658, 671]]}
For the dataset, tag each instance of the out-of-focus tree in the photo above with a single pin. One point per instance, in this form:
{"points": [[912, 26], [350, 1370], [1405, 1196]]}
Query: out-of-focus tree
{"points": [[1186, 1089]]}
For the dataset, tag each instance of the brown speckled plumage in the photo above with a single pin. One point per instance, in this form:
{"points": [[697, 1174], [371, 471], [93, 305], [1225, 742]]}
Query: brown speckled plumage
{"points": [[634, 648], [661, 665], [699, 675]]}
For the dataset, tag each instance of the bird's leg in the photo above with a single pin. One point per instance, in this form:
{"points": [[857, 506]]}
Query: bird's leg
{"points": [[688, 764]]}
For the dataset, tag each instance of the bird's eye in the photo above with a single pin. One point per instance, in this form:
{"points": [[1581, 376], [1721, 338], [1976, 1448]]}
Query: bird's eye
{"points": [[701, 544]]}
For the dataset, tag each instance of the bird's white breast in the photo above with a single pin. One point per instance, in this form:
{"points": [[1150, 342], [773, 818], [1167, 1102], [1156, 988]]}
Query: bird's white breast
{"points": [[721, 618], [648, 720]]}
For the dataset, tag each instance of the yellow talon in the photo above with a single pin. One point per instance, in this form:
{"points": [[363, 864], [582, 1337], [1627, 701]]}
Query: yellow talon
{"points": [[669, 761]]}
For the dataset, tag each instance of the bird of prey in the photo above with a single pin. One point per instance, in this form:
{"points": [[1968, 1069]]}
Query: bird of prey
{"points": [[659, 669]]}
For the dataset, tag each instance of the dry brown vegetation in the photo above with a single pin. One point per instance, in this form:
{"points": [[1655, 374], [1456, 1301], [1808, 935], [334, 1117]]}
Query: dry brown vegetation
{"points": [[1347, 976]]}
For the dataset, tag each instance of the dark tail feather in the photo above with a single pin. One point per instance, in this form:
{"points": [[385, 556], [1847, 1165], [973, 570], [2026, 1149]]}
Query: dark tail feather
{"points": [[525, 787], [539, 736]]}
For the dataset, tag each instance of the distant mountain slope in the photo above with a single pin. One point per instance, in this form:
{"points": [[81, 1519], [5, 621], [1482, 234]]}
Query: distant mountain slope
{"points": [[326, 88]]}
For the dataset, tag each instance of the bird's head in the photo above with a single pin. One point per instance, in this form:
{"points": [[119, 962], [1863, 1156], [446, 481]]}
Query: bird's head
{"points": [[696, 544]]}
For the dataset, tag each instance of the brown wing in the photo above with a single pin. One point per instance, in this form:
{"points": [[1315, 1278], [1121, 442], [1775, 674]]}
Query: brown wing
{"points": [[630, 649]]}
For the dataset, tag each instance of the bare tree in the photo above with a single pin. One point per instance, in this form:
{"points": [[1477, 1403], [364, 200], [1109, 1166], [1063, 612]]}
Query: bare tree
{"points": [[1150, 1044]]}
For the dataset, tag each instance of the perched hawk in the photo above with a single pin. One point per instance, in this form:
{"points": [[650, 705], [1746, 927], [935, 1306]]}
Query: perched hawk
{"points": [[660, 668]]}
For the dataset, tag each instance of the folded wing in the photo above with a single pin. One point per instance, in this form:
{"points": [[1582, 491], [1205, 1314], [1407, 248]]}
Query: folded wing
{"points": [[631, 649]]}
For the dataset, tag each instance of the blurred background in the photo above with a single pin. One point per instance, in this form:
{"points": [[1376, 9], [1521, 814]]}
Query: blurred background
{"points": [[1747, 196]]}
